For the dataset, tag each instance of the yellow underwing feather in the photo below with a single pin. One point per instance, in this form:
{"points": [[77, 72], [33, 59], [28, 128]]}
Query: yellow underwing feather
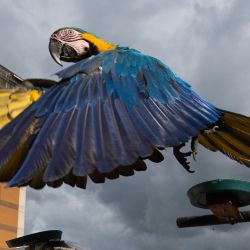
{"points": [[206, 143], [227, 149], [231, 138], [4, 110], [238, 145], [15, 101]]}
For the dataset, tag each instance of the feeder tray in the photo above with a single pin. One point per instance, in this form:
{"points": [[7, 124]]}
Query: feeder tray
{"points": [[35, 238], [223, 198]]}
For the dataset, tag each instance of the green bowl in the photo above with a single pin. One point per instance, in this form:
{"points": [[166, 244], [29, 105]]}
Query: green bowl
{"points": [[238, 191]]}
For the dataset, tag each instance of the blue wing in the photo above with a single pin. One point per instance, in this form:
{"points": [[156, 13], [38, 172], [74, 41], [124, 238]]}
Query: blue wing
{"points": [[106, 115]]}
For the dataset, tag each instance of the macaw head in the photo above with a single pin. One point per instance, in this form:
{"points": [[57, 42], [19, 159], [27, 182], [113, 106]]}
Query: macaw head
{"points": [[73, 44]]}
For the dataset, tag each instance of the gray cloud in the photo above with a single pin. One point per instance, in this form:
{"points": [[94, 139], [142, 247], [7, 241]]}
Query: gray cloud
{"points": [[206, 43]]}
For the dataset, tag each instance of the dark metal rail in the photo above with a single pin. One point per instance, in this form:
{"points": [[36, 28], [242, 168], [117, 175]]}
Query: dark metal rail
{"points": [[207, 220]]}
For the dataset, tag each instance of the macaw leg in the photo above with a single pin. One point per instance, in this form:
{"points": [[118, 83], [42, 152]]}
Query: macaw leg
{"points": [[194, 147], [211, 130], [182, 157]]}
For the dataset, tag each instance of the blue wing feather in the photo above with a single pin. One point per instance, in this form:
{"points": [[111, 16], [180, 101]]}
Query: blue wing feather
{"points": [[107, 114]]}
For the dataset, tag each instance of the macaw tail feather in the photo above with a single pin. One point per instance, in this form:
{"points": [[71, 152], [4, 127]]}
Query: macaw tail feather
{"points": [[230, 135]]}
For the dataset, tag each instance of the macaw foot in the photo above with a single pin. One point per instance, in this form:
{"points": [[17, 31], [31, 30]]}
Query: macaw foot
{"points": [[211, 130], [182, 157]]}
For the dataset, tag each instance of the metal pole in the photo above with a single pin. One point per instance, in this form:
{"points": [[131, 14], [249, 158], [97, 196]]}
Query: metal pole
{"points": [[207, 220]]}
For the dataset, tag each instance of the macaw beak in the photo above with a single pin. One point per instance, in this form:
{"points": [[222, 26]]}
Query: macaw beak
{"points": [[55, 49]]}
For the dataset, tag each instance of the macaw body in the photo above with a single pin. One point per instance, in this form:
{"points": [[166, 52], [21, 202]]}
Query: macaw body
{"points": [[107, 114]]}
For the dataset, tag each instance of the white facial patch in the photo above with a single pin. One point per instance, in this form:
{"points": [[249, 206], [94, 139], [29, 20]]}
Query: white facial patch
{"points": [[80, 46]]}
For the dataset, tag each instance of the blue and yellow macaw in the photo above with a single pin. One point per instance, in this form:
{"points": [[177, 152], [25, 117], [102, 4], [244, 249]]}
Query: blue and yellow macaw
{"points": [[111, 110]]}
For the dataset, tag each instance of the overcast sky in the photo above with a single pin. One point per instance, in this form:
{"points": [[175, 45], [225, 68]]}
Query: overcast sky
{"points": [[204, 42]]}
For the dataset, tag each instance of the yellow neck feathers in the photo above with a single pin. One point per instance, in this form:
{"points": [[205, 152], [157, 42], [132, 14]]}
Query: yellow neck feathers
{"points": [[99, 43]]}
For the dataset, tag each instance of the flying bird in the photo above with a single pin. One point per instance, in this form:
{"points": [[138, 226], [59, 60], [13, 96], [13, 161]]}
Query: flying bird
{"points": [[110, 111]]}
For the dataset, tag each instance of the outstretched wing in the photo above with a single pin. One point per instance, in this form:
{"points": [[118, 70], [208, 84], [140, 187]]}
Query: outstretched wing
{"points": [[16, 94], [106, 115]]}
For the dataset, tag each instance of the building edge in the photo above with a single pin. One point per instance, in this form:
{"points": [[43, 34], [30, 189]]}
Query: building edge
{"points": [[21, 212]]}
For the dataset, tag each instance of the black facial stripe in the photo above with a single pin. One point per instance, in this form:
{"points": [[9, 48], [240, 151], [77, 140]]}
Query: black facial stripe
{"points": [[92, 48], [74, 40]]}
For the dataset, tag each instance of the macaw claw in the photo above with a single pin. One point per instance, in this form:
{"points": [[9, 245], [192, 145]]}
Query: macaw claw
{"points": [[182, 157]]}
